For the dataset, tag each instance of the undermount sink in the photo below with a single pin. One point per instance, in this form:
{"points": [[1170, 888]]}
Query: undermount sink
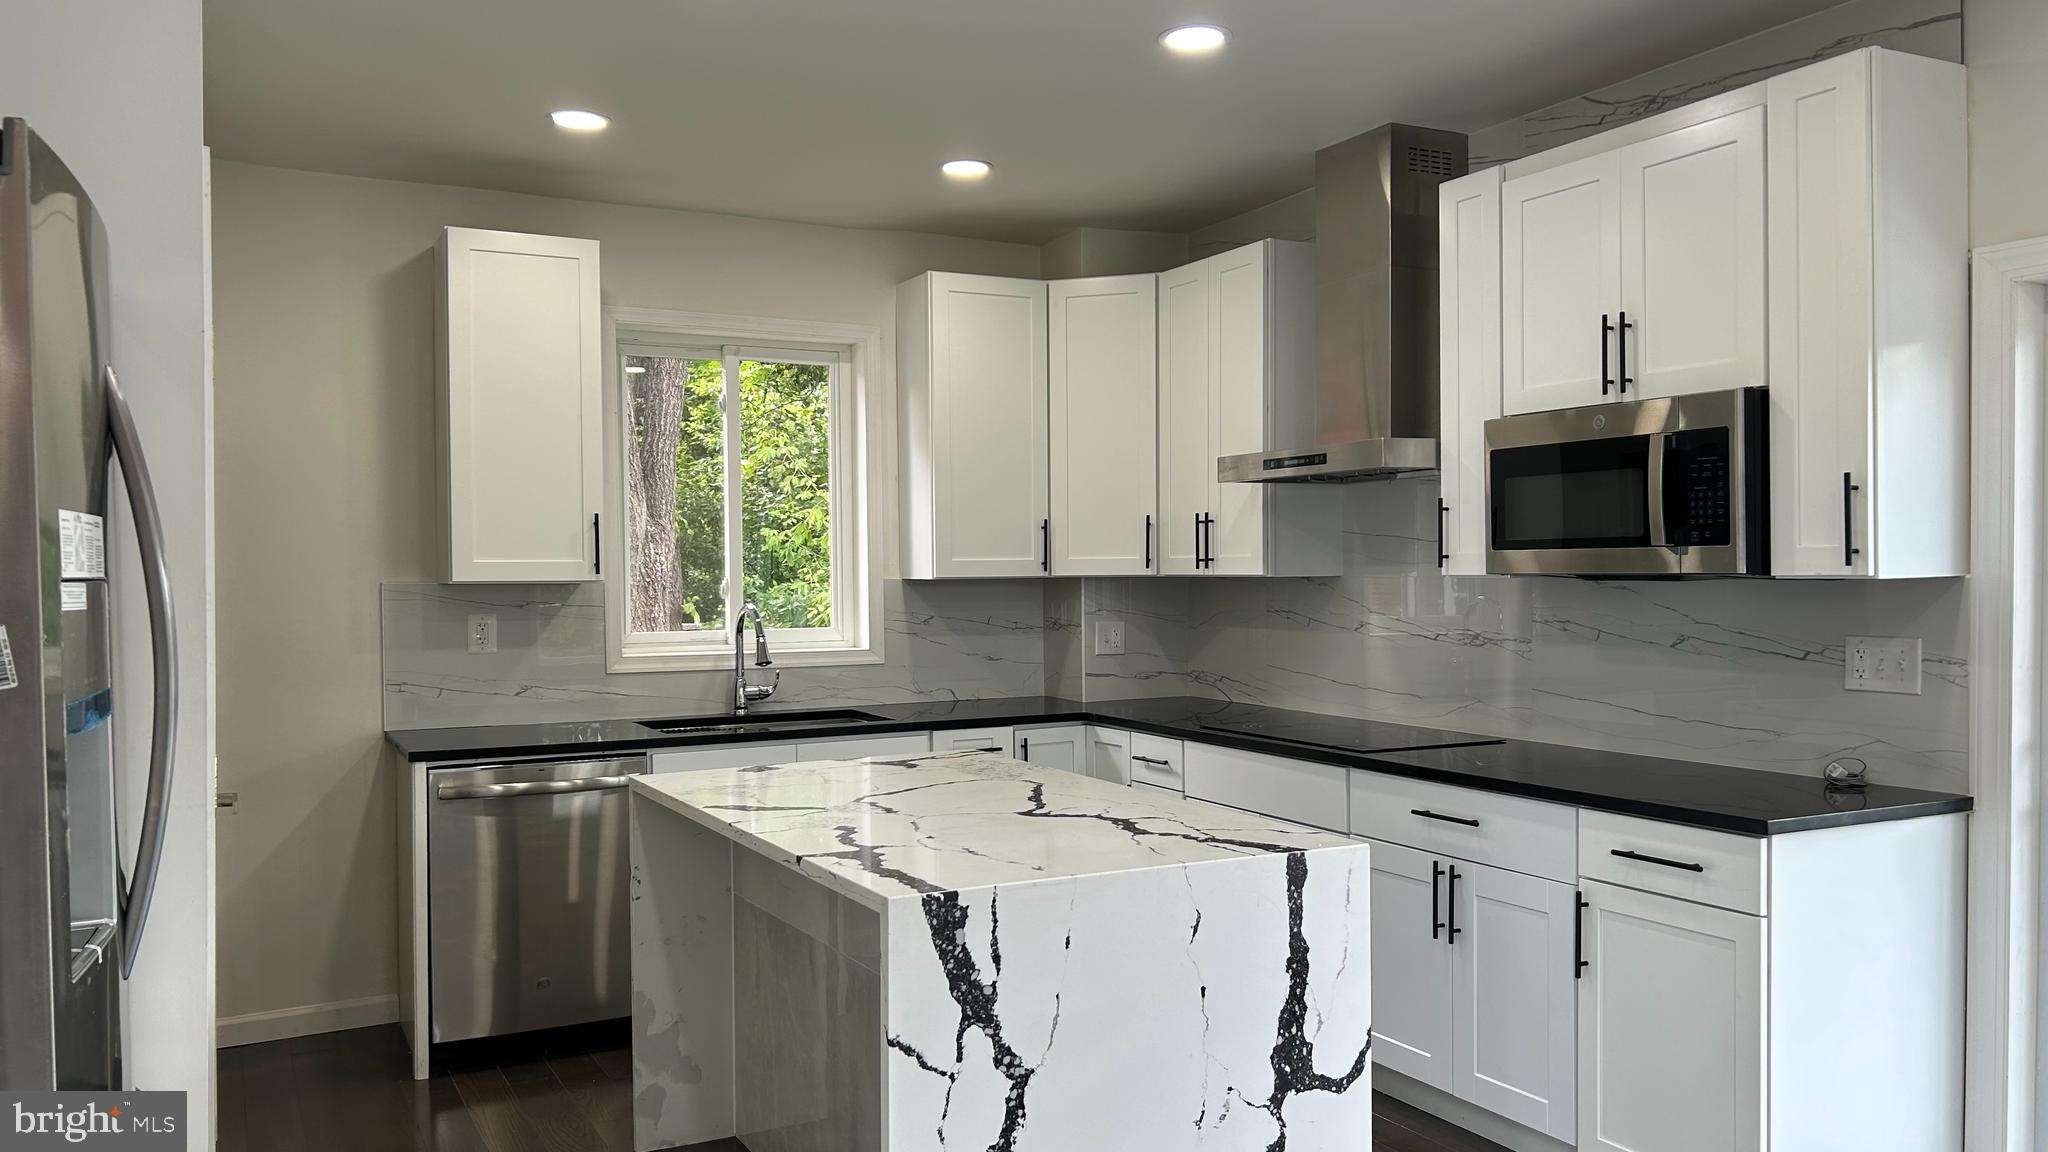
{"points": [[760, 721]]}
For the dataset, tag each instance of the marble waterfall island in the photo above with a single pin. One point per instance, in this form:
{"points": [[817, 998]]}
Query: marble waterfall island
{"points": [[968, 952]]}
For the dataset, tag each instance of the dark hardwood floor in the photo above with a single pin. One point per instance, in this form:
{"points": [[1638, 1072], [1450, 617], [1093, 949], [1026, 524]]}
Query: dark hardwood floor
{"points": [[564, 1091]]}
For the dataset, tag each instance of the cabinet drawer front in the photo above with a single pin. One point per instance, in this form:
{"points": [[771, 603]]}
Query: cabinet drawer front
{"points": [[1717, 868], [1156, 760], [1296, 790], [998, 740], [726, 756], [1504, 831], [860, 747]]}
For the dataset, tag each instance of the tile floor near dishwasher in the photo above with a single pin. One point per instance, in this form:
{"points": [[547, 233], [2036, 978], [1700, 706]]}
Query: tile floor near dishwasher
{"points": [[563, 1091]]}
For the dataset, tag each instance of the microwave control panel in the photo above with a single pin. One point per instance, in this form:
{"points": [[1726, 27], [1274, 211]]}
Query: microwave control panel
{"points": [[1700, 461]]}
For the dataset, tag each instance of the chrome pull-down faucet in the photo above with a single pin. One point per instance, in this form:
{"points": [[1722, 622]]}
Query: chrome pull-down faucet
{"points": [[744, 693]]}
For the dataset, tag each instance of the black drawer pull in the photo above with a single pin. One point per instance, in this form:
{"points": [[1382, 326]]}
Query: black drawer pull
{"points": [[1436, 881], [1426, 814], [989, 749], [1627, 855], [1849, 548], [1151, 760], [1606, 374]]}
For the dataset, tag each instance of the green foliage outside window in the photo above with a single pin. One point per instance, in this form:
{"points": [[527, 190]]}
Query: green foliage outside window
{"points": [[785, 493]]}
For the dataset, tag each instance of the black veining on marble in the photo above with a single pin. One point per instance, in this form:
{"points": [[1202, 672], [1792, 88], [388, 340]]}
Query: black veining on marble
{"points": [[946, 916], [869, 859], [1294, 1053]]}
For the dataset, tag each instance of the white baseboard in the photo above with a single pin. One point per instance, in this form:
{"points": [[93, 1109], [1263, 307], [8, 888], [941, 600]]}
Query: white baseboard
{"points": [[1470, 1117], [305, 1020]]}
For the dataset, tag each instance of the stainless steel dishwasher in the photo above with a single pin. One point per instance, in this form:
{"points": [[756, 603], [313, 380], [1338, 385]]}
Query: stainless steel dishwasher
{"points": [[526, 895]]}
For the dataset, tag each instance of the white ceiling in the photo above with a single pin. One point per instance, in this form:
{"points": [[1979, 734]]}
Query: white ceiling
{"points": [[840, 111]]}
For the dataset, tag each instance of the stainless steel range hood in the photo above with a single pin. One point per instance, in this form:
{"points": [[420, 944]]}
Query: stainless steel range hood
{"points": [[1376, 311]]}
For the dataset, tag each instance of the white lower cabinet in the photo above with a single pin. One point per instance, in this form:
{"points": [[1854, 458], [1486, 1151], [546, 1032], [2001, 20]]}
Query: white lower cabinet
{"points": [[1062, 746], [1473, 984], [1109, 754], [722, 756], [1671, 1025], [1000, 740], [857, 747], [1514, 998], [1412, 1019]]}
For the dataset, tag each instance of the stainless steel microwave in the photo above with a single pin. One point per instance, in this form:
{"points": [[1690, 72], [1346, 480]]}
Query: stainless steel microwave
{"points": [[1675, 486]]}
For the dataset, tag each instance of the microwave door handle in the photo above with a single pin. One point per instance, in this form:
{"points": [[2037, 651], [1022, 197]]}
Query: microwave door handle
{"points": [[1660, 491], [163, 735]]}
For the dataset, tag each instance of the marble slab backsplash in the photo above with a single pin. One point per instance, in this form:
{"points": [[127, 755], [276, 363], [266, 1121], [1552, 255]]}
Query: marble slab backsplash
{"points": [[1922, 27], [963, 639], [1745, 672]]}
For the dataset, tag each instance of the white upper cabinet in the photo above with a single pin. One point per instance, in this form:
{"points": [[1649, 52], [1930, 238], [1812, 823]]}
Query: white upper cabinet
{"points": [[971, 383], [1187, 435], [1469, 306], [1560, 285], [1104, 386], [519, 408], [1692, 259], [1869, 318], [1235, 343]]}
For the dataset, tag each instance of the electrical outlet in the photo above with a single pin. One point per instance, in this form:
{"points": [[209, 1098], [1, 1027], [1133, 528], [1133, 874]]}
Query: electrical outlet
{"points": [[1109, 637], [1881, 664], [483, 632]]}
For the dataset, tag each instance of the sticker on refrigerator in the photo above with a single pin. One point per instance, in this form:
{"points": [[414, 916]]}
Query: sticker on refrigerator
{"points": [[73, 597], [81, 545], [7, 679]]}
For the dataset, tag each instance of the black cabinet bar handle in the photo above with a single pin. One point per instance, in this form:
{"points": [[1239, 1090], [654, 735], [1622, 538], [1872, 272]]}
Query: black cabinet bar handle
{"points": [[1579, 960], [1627, 855], [1451, 906], [1208, 540], [1436, 881], [1025, 753], [1606, 372], [597, 539], [1151, 760], [989, 749], [1045, 545], [1443, 555], [1198, 539], [1148, 541], [1849, 548], [1426, 814], [1621, 349]]}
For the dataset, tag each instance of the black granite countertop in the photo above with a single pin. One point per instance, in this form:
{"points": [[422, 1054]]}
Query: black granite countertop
{"points": [[1742, 800]]}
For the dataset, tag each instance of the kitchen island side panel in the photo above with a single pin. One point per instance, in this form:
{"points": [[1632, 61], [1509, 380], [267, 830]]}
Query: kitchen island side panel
{"points": [[1219, 1005]]}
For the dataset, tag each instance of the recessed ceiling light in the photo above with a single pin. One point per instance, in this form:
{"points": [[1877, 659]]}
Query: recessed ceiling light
{"points": [[1195, 39], [635, 369], [965, 169], [579, 121]]}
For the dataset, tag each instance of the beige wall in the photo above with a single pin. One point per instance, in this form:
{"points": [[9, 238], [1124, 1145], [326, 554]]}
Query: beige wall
{"points": [[324, 444], [2005, 43]]}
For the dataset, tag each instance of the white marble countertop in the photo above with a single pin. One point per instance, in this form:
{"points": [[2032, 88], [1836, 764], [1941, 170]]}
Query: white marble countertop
{"points": [[880, 830]]}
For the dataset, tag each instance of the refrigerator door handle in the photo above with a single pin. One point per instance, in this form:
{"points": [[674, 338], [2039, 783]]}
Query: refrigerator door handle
{"points": [[163, 632]]}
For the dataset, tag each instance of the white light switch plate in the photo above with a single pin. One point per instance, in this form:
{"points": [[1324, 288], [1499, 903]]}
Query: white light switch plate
{"points": [[1109, 637], [1882, 664], [483, 632]]}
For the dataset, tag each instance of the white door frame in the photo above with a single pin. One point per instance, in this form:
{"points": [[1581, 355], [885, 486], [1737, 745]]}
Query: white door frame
{"points": [[2009, 449]]}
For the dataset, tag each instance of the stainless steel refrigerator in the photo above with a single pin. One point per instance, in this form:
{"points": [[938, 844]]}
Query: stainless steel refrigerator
{"points": [[71, 915]]}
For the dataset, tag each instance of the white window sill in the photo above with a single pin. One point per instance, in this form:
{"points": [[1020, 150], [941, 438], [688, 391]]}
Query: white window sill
{"points": [[720, 659]]}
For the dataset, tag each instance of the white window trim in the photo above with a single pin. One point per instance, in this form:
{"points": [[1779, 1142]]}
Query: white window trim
{"points": [[856, 558]]}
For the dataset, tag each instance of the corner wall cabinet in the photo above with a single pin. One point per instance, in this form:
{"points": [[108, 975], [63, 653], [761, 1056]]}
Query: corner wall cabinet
{"points": [[1104, 390], [519, 441], [1808, 233], [1079, 437], [971, 398]]}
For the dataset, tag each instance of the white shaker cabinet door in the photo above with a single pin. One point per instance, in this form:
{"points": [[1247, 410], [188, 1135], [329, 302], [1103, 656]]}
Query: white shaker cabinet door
{"points": [[972, 378], [1516, 1002], [1064, 747], [1560, 285], [1671, 1025], [1187, 436], [1468, 215], [521, 439], [1103, 376], [1412, 1018], [1692, 260]]}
